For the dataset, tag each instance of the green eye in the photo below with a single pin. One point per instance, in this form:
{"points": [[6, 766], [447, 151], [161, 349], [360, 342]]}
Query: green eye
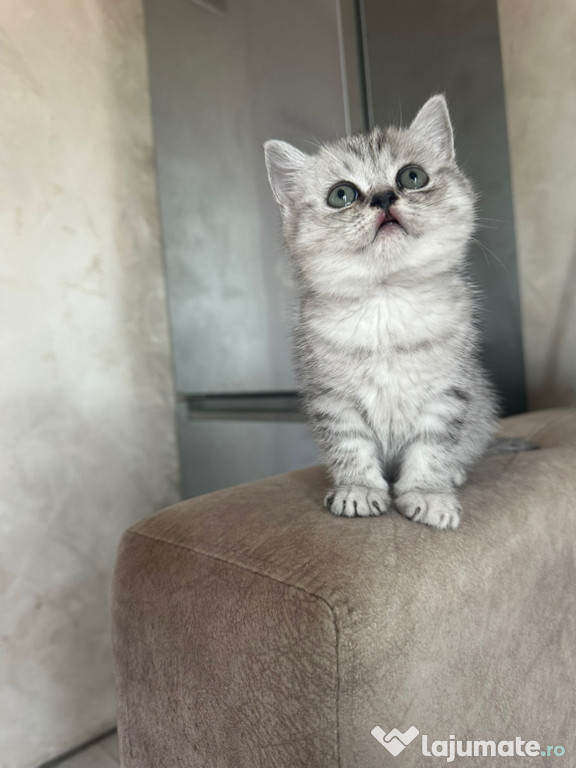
{"points": [[342, 195], [412, 177]]}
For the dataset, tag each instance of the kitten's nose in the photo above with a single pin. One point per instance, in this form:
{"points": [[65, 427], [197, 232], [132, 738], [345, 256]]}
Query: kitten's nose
{"points": [[383, 199]]}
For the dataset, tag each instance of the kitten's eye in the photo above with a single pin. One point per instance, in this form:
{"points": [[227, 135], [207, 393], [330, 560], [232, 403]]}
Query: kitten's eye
{"points": [[412, 177], [342, 195]]}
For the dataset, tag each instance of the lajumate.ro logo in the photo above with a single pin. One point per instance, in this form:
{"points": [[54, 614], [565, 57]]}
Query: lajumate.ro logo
{"points": [[396, 741]]}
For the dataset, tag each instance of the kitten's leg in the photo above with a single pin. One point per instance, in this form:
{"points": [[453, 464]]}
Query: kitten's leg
{"points": [[452, 435], [425, 489], [351, 454]]}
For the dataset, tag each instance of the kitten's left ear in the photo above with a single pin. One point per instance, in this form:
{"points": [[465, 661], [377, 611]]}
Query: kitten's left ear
{"points": [[283, 162], [433, 124]]}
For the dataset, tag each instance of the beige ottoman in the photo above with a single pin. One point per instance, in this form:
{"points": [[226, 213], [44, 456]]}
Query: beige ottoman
{"points": [[254, 630]]}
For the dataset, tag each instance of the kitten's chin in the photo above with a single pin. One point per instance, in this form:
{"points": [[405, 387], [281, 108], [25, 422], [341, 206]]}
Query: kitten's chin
{"points": [[391, 242]]}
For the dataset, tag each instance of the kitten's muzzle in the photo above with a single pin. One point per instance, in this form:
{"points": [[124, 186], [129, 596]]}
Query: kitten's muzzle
{"points": [[385, 217], [386, 220]]}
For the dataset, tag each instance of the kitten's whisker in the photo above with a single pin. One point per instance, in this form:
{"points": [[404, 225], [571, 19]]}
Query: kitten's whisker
{"points": [[315, 142], [479, 225], [487, 250]]}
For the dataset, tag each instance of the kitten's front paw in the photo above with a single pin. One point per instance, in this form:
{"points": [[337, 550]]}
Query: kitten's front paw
{"points": [[440, 510], [357, 501]]}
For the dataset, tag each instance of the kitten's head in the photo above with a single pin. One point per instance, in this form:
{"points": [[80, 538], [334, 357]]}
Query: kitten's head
{"points": [[370, 208]]}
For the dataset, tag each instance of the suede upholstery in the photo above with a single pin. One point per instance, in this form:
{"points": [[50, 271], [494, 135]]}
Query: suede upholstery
{"points": [[252, 629]]}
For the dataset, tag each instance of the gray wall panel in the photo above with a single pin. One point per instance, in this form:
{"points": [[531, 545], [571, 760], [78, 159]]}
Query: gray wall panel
{"points": [[219, 453], [221, 84]]}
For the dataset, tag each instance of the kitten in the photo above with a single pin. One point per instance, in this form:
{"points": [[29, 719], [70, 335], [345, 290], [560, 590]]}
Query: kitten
{"points": [[386, 344]]}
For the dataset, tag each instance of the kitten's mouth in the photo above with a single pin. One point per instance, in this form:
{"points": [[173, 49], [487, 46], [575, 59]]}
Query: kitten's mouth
{"points": [[387, 221]]}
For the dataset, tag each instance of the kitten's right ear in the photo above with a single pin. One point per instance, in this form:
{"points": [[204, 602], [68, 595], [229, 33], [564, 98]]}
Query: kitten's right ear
{"points": [[433, 124], [283, 162]]}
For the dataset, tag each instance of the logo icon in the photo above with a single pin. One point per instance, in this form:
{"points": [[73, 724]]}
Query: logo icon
{"points": [[395, 741]]}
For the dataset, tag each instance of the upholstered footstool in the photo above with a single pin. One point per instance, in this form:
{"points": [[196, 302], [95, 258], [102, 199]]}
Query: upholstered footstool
{"points": [[254, 630]]}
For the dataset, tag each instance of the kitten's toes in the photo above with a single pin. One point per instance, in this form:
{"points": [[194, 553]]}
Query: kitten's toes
{"points": [[357, 501], [440, 510]]}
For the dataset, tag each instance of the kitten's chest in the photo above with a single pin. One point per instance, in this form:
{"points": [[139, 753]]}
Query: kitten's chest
{"points": [[379, 329], [387, 357]]}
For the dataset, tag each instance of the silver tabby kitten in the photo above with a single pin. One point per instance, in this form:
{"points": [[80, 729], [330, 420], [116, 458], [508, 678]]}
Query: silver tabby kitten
{"points": [[386, 345]]}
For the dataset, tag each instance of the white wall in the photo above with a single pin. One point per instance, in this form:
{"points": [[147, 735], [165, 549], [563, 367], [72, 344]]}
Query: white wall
{"points": [[87, 438], [540, 82]]}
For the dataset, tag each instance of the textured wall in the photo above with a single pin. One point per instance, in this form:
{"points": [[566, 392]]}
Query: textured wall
{"points": [[86, 407], [539, 56]]}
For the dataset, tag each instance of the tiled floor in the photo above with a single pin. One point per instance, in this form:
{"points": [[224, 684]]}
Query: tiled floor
{"points": [[102, 754]]}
